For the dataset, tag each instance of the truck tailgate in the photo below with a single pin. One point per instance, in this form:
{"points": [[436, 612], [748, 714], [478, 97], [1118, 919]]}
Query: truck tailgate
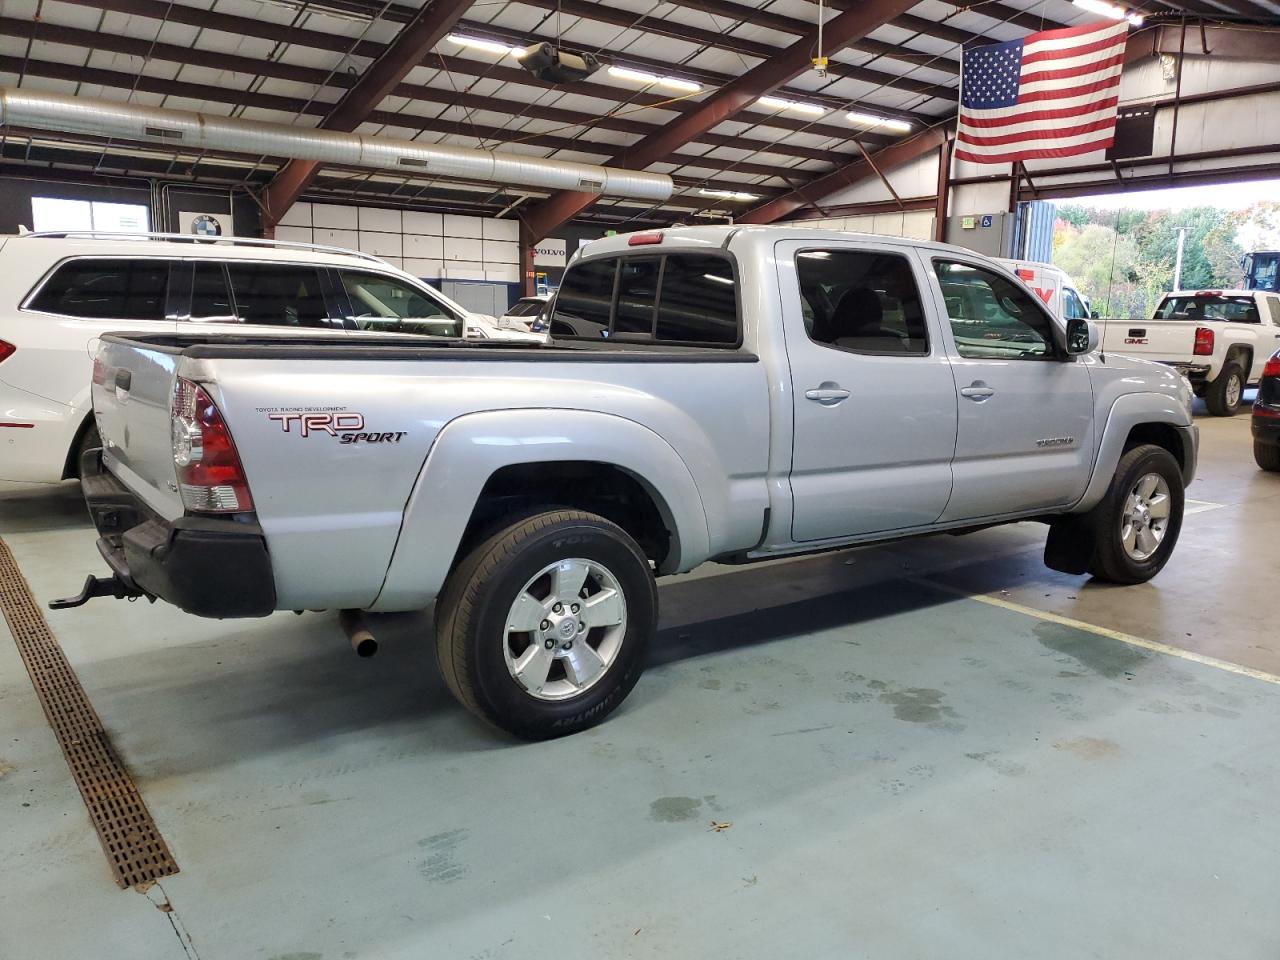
{"points": [[1166, 340], [132, 388]]}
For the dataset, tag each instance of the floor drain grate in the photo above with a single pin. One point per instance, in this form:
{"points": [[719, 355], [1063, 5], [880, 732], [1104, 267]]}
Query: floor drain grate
{"points": [[132, 842]]}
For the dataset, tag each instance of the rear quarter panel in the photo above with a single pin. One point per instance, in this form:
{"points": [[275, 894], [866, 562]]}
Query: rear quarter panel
{"points": [[332, 511]]}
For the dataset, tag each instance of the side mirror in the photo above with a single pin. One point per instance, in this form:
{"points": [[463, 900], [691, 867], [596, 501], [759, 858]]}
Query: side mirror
{"points": [[1093, 315], [1082, 336]]}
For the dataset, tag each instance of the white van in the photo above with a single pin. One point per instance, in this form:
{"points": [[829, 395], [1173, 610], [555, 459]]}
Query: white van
{"points": [[59, 292], [1051, 285]]}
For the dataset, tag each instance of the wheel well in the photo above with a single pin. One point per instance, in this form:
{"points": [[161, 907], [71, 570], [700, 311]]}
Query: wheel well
{"points": [[601, 488], [1162, 435], [71, 469], [1243, 356]]}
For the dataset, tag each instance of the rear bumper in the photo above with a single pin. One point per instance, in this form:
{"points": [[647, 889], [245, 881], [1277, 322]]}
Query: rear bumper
{"points": [[209, 566], [1197, 373], [1266, 428]]}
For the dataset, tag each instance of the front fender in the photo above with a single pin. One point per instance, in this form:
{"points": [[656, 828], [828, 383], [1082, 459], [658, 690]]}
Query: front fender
{"points": [[1129, 411], [470, 449]]}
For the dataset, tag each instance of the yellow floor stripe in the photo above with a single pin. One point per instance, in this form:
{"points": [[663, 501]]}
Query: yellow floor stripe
{"points": [[1128, 638]]}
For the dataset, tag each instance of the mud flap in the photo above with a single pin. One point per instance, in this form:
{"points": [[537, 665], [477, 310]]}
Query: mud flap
{"points": [[1069, 548]]}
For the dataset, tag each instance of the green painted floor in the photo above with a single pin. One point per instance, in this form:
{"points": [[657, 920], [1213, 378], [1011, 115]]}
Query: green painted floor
{"points": [[904, 773]]}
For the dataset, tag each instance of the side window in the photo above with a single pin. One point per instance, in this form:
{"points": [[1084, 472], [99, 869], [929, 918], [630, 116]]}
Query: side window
{"points": [[1273, 305], [861, 301], [210, 294], [106, 290], [279, 295], [388, 305], [637, 295], [698, 302], [992, 318], [584, 302], [1072, 306]]}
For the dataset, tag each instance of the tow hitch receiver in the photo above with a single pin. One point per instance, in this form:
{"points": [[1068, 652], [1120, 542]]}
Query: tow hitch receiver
{"points": [[111, 586]]}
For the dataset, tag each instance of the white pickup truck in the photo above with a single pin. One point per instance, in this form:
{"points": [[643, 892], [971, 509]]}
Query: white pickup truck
{"points": [[1218, 339], [745, 393]]}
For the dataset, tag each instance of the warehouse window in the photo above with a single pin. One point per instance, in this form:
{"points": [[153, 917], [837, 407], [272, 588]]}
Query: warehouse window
{"points": [[106, 290], [281, 295], [862, 301]]}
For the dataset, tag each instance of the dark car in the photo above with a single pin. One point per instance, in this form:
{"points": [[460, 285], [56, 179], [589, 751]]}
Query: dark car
{"points": [[1266, 417]]}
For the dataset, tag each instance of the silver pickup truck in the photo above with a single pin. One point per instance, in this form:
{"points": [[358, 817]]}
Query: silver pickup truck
{"points": [[712, 393]]}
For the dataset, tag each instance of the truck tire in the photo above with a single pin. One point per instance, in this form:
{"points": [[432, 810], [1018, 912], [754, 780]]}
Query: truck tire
{"points": [[1223, 395], [543, 629], [1267, 456], [1135, 526]]}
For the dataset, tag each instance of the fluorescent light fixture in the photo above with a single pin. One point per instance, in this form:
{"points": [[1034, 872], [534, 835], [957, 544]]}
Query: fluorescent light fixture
{"points": [[728, 194], [488, 46], [871, 120], [1104, 9], [777, 103], [639, 76], [712, 276]]}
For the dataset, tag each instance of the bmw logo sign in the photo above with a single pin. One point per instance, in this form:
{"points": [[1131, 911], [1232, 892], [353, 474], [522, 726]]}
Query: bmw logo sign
{"points": [[206, 226]]}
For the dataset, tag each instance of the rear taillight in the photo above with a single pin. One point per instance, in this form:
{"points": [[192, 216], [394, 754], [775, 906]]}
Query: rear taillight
{"points": [[1204, 342], [99, 371], [210, 477], [1272, 369], [7, 350]]}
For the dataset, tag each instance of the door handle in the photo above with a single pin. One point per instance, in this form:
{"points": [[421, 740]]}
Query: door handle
{"points": [[828, 393], [977, 391], [124, 380]]}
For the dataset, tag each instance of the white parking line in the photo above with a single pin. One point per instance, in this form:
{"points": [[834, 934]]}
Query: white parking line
{"points": [[1128, 638], [1199, 506]]}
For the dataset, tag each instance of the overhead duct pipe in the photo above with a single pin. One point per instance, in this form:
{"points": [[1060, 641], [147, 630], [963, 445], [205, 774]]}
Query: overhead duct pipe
{"points": [[196, 131]]}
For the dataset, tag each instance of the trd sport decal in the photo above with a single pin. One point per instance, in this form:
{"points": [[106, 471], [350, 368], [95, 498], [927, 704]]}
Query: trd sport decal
{"points": [[337, 422]]}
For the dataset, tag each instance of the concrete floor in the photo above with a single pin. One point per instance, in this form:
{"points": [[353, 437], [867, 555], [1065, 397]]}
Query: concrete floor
{"points": [[906, 772]]}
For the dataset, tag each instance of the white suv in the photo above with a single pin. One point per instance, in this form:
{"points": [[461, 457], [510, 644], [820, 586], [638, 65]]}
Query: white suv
{"points": [[59, 292]]}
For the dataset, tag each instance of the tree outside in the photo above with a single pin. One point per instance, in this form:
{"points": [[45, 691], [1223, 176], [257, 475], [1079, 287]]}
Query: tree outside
{"points": [[1123, 260]]}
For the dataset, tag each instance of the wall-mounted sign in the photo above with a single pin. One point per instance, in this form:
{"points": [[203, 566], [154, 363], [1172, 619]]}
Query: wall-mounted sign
{"points": [[549, 253], [206, 224], [986, 220], [967, 223]]}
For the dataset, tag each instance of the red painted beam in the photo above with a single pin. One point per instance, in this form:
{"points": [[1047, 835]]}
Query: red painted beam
{"points": [[414, 41], [722, 105], [814, 191]]}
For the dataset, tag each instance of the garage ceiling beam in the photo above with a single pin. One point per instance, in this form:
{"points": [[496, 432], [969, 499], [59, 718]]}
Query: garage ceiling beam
{"points": [[723, 104], [412, 43], [163, 11], [730, 10], [658, 26], [232, 96], [812, 193], [401, 12], [1227, 42], [136, 46]]}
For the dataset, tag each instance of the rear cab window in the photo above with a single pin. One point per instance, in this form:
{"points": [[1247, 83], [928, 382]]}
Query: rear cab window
{"points": [[673, 298], [1209, 306], [105, 289]]}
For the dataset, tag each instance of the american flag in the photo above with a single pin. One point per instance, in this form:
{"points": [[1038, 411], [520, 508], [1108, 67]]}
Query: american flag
{"points": [[1050, 94]]}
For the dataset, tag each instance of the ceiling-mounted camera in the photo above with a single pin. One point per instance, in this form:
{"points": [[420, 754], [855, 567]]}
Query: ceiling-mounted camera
{"points": [[547, 63]]}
